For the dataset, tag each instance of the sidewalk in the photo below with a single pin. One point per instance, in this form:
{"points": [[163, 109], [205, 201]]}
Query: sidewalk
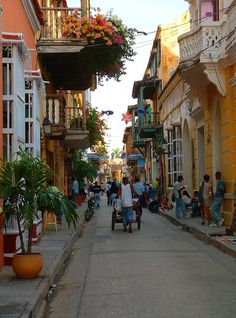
{"points": [[224, 243], [24, 298]]}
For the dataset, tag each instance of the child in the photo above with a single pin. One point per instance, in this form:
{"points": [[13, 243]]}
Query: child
{"points": [[187, 199], [195, 204]]}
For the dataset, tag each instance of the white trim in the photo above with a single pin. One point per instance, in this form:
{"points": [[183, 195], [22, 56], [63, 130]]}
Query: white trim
{"points": [[30, 12]]}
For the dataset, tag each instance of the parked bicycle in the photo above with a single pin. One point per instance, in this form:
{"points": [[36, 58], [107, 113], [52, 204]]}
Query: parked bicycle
{"points": [[89, 212]]}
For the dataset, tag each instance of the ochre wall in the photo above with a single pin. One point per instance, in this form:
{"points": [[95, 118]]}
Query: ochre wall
{"points": [[15, 20]]}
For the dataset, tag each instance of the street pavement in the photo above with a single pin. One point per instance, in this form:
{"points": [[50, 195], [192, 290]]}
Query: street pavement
{"points": [[26, 298]]}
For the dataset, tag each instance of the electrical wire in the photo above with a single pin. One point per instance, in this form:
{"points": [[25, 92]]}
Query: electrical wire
{"points": [[191, 21]]}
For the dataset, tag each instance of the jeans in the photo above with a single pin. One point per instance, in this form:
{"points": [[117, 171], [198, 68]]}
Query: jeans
{"points": [[153, 194], [97, 198], [127, 215], [113, 196], [215, 209], [180, 210]]}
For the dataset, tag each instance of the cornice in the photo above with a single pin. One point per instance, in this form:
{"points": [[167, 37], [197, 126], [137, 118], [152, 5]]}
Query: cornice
{"points": [[174, 80], [30, 11]]}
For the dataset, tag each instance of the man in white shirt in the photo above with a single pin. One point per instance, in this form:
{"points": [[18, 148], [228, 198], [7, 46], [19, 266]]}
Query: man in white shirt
{"points": [[125, 193]]}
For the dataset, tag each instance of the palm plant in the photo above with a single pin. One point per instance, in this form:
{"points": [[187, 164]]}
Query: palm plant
{"points": [[24, 188]]}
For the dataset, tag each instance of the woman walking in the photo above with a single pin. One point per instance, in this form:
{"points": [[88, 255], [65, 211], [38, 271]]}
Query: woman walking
{"points": [[207, 198]]}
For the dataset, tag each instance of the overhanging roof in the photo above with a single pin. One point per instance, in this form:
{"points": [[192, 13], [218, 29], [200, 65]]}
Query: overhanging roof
{"points": [[149, 86]]}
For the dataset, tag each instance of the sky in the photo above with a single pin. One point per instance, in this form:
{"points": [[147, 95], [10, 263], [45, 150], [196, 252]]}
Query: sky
{"points": [[144, 16]]}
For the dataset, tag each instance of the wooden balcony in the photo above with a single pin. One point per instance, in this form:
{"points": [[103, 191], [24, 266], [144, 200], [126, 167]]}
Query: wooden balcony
{"points": [[137, 141], [149, 125], [68, 123], [62, 58]]}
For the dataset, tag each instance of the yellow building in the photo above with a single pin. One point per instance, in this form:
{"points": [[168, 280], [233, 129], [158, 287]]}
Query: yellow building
{"points": [[208, 66], [147, 126]]}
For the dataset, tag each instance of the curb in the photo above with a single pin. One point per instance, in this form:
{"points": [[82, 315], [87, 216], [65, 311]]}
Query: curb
{"points": [[36, 306], [200, 235]]}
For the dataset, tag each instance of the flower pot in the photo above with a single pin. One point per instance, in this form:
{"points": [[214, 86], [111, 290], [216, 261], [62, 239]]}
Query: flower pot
{"points": [[27, 266], [2, 220]]}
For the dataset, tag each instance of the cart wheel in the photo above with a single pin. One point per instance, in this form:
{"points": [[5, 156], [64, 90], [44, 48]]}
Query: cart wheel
{"points": [[139, 223], [86, 215], [113, 221]]}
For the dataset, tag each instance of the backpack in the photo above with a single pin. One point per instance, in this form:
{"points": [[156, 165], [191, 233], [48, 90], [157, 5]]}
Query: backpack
{"points": [[173, 197]]}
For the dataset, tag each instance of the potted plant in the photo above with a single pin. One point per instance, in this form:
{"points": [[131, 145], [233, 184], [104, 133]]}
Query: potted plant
{"points": [[24, 188]]}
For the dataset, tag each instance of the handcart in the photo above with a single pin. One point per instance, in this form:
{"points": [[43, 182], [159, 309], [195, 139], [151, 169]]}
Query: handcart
{"points": [[117, 213]]}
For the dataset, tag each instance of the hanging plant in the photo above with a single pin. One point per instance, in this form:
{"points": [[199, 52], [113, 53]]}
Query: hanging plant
{"points": [[96, 126], [109, 43]]}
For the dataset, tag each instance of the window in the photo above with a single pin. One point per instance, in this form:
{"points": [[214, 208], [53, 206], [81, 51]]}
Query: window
{"points": [[29, 117], [175, 158], [209, 10], [8, 101]]}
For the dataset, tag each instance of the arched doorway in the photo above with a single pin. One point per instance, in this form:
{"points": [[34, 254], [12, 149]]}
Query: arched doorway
{"points": [[187, 157]]}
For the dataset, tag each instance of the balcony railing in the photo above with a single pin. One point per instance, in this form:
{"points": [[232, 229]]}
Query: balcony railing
{"points": [[203, 42], [54, 20], [215, 39], [63, 117], [137, 141]]}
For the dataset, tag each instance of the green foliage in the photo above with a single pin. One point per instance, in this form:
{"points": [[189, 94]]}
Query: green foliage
{"points": [[23, 186], [96, 128], [82, 169], [116, 153]]}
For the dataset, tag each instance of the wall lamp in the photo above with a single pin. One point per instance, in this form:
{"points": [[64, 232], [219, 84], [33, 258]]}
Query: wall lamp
{"points": [[47, 127]]}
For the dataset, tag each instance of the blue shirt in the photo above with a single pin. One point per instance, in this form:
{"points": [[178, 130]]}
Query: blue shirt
{"points": [[220, 189], [138, 187], [75, 187]]}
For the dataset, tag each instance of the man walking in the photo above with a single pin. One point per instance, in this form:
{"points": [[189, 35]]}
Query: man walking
{"points": [[96, 190], [217, 202], [180, 210], [125, 193]]}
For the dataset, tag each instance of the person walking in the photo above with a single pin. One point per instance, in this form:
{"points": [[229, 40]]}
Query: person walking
{"points": [[139, 190], [108, 192], [75, 189], [206, 193], [96, 189], [114, 190], [125, 193], [217, 201], [180, 210]]}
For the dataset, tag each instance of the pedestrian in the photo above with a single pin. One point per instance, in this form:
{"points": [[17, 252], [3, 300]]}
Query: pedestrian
{"points": [[206, 193], [154, 185], [96, 189], [108, 192], [217, 219], [180, 210], [75, 189], [139, 190], [125, 193], [187, 199], [114, 190], [195, 204]]}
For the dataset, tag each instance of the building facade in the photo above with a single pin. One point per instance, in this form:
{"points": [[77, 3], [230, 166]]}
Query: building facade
{"points": [[207, 65]]}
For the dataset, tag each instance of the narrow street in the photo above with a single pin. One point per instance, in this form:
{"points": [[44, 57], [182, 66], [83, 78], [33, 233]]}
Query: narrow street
{"points": [[159, 271]]}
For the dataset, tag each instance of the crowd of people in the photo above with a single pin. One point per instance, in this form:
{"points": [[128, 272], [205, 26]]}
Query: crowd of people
{"points": [[204, 202]]}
